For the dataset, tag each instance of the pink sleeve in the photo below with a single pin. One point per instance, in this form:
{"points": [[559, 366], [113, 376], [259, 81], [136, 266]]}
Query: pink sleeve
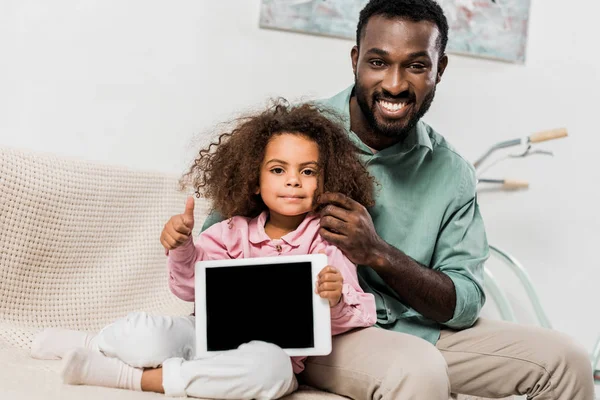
{"points": [[182, 260], [356, 309]]}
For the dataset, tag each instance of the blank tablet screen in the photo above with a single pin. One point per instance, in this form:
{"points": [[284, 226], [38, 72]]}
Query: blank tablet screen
{"points": [[272, 303]]}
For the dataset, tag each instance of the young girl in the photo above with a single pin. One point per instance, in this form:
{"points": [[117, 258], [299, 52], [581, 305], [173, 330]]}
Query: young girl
{"points": [[264, 178]]}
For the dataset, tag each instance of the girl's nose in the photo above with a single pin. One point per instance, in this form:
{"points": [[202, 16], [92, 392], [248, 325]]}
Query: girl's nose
{"points": [[293, 181]]}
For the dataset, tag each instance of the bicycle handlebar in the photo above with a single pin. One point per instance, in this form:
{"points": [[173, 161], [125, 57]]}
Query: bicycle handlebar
{"points": [[507, 184], [548, 135], [542, 136], [512, 184]]}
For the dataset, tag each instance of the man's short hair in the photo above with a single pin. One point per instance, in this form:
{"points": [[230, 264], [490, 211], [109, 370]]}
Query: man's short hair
{"points": [[413, 10]]}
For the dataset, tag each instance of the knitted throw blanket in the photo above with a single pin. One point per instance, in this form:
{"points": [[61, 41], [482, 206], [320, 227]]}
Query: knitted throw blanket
{"points": [[79, 244]]}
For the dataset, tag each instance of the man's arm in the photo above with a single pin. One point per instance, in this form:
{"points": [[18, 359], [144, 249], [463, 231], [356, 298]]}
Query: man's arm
{"points": [[428, 291], [448, 291], [348, 225]]}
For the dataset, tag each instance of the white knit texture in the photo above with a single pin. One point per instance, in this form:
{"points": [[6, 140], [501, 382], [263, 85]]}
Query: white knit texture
{"points": [[79, 244]]}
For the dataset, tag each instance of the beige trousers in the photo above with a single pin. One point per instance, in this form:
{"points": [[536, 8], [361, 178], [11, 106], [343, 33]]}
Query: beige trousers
{"points": [[492, 359]]}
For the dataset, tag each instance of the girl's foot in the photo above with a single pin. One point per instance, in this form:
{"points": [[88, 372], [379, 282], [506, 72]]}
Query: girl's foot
{"points": [[53, 343], [87, 367]]}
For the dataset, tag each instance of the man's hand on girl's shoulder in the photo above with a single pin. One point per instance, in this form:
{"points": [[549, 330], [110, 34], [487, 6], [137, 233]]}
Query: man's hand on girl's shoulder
{"points": [[347, 225]]}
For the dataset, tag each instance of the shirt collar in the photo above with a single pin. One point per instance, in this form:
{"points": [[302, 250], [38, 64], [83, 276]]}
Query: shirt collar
{"points": [[419, 136], [258, 235]]}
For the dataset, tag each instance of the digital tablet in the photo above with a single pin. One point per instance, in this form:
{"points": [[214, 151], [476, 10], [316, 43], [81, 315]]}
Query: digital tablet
{"points": [[271, 299]]}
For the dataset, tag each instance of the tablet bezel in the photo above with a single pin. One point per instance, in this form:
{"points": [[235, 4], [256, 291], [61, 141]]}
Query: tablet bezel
{"points": [[321, 309]]}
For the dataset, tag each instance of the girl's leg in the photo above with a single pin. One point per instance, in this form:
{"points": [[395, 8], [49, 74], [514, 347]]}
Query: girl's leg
{"points": [[152, 380], [255, 370], [145, 341], [54, 343], [89, 367], [140, 340]]}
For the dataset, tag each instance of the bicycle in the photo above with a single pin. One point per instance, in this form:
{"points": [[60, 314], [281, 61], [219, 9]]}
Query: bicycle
{"points": [[492, 287]]}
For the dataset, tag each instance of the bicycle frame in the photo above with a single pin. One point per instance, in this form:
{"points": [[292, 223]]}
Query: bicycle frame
{"points": [[492, 287]]}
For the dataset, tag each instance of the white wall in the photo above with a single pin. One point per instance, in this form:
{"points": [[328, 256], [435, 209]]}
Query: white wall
{"points": [[134, 82]]}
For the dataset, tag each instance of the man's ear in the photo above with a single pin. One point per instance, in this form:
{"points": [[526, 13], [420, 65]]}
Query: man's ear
{"points": [[442, 64], [354, 57]]}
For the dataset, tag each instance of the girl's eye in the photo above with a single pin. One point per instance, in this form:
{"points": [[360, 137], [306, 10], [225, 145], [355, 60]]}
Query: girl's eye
{"points": [[309, 172], [277, 171]]}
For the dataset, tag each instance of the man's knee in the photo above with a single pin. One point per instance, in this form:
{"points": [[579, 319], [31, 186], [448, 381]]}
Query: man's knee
{"points": [[144, 340], [405, 366], [424, 376], [377, 363], [568, 359]]}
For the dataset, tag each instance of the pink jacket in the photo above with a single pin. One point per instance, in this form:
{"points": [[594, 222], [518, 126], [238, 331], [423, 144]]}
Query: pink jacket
{"points": [[244, 237]]}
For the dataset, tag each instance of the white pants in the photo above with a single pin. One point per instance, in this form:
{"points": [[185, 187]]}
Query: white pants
{"points": [[255, 370]]}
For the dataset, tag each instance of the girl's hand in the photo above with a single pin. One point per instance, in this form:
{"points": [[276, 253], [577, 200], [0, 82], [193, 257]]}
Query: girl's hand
{"points": [[329, 285], [178, 229]]}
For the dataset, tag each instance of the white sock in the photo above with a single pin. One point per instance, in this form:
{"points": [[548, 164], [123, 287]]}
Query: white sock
{"points": [[54, 343], [88, 367]]}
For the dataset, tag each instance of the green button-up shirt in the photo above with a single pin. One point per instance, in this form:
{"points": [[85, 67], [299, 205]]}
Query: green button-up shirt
{"points": [[426, 206]]}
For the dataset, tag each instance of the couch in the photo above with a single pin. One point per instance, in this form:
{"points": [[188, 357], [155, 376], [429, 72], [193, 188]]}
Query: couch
{"points": [[79, 248]]}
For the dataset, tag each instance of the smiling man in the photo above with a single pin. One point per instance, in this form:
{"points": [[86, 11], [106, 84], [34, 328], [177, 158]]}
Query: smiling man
{"points": [[422, 247], [397, 64]]}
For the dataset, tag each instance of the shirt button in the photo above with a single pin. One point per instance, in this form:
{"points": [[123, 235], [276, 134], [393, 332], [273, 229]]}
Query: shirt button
{"points": [[278, 248]]}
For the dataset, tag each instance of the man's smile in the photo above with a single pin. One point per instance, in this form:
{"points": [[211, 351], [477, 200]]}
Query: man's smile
{"points": [[393, 109]]}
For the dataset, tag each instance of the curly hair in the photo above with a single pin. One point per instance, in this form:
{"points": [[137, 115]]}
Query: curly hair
{"points": [[227, 172], [413, 10]]}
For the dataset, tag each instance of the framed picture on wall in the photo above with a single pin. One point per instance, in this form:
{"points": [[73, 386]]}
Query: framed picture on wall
{"points": [[495, 29]]}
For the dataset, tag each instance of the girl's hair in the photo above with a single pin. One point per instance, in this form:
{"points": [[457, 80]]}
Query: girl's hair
{"points": [[227, 171]]}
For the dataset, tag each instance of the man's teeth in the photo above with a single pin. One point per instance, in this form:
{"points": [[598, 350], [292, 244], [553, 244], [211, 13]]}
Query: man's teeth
{"points": [[392, 106]]}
